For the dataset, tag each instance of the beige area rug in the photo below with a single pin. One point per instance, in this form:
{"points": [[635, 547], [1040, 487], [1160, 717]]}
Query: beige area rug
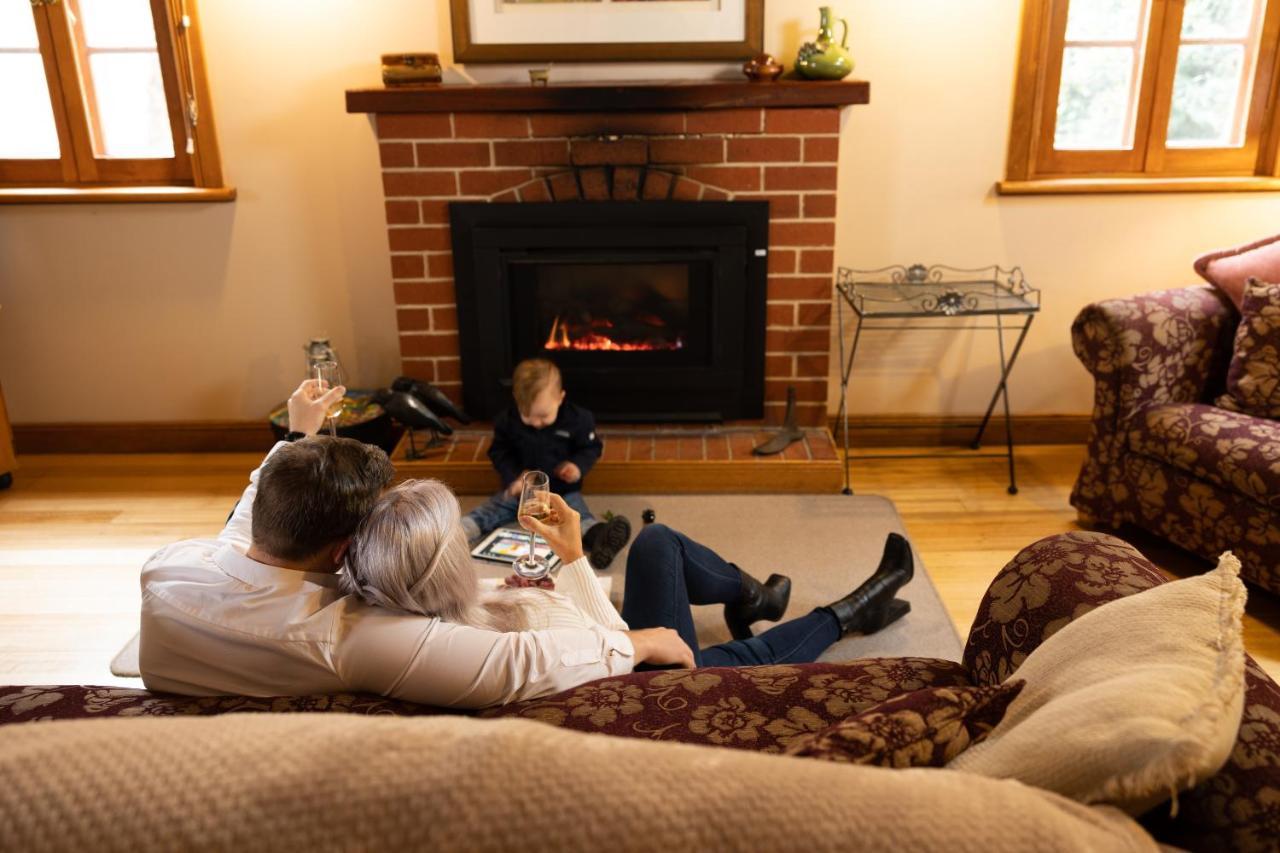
{"points": [[828, 544]]}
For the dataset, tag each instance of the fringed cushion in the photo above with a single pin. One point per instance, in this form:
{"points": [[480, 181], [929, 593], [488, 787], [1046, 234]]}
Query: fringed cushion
{"points": [[1131, 702]]}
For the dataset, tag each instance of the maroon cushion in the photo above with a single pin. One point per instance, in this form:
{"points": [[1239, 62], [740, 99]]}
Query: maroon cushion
{"points": [[1045, 586], [762, 708], [1253, 380], [925, 728], [1233, 450], [1238, 810], [1229, 269]]}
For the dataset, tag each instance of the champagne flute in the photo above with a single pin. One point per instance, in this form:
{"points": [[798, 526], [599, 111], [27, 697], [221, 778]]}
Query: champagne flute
{"points": [[327, 375], [535, 503]]}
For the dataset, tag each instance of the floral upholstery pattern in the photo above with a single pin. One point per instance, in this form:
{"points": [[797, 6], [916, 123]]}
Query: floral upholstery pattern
{"points": [[1045, 586], [1162, 347], [1253, 380], [925, 728], [39, 703], [1238, 809], [1062, 577], [1159, 455], [1205, 519], [1231, 450], [761, 708]]}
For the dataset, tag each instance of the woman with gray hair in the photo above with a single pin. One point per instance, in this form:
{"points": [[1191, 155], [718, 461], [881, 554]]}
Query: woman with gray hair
{"points": [[411, 554]]}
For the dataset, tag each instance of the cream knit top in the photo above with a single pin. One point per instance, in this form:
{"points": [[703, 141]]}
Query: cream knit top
{"points": [[577, 602]]}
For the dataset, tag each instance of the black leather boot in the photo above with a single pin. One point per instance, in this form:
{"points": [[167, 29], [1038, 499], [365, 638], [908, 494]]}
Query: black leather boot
{"points": [[872, 606], [759, 601]]}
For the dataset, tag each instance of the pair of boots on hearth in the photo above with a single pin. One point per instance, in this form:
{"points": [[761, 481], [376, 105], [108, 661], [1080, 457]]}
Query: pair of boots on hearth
{"points": [[866, 610]]}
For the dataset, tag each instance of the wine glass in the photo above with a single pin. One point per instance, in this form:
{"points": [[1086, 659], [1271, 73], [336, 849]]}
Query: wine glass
{"points": [[328, 375], [535, 502]]}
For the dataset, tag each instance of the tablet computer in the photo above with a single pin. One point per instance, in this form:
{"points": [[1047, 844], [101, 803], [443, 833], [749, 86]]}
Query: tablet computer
{"points": [[507, 544]]}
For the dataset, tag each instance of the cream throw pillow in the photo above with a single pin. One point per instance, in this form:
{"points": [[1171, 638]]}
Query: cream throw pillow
{"points": [[1132, 701]]}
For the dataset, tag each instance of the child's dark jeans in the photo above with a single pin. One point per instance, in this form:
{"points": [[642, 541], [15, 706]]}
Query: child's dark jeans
{"points": [[501, 509]]}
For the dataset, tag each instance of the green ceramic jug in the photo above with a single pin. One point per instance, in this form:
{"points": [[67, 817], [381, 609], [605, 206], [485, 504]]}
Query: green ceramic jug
{"points": [[824, 59]]}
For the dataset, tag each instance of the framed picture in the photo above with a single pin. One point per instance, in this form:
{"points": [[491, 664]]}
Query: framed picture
{"points": [[606, 30]]}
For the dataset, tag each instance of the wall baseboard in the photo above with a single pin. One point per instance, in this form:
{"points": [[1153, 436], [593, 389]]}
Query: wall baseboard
{"points": [[255, 436], [144, 437], [957, 431]]}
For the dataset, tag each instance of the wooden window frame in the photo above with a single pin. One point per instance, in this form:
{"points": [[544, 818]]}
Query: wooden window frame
{"points": [[1034, 166], [80, 174]]}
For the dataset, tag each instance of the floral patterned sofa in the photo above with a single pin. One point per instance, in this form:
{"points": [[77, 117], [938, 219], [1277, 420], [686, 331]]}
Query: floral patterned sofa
{"points": [[1161, 455], [1042, 589]]}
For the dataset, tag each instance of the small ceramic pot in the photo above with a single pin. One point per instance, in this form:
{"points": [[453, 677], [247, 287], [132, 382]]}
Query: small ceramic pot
{"points": [[762, 69]]}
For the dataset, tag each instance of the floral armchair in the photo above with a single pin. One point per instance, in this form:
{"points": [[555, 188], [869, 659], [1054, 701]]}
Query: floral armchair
{"points": [[1046, 585], [1161, 455]]}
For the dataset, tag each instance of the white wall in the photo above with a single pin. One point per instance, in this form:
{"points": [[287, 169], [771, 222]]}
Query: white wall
{"points": [[177, 312]]}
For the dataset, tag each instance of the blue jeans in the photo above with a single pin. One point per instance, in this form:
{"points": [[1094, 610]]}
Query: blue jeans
{"points": [[501, 509], [667, 571]]}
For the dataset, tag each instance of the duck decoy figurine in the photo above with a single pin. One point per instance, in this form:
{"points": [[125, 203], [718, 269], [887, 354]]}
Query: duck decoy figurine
{"points": [[413, 414], [434, 399]]}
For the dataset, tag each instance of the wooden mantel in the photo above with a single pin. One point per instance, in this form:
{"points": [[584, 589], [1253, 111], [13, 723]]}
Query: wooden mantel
{"points": [[609, 96]]}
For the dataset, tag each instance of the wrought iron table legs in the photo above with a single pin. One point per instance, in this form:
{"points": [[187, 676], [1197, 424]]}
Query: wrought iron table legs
{"points": [[846, 368], [1001, 392]]}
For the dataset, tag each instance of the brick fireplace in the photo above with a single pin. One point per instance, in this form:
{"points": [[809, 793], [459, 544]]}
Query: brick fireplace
{"points": [[642, 142]]}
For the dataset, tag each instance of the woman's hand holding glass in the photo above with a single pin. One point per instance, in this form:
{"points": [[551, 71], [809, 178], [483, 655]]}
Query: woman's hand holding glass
{"points": [[562, 529], [563, 532]]}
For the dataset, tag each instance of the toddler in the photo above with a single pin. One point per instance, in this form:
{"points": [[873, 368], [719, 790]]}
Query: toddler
{"points": [[543, 432]]}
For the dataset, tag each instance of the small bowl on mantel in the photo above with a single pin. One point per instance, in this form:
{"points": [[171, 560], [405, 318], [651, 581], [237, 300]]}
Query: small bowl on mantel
{"points": [[762, 69]]}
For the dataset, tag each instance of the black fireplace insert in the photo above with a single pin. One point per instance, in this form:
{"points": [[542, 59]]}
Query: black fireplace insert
{"points": [[653, 311]]}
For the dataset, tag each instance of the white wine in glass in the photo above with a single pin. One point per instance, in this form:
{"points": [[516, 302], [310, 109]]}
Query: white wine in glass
{"points": [[328, 375], [535, 503]]}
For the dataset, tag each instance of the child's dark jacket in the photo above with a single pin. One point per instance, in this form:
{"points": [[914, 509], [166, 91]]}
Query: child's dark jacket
{"points": [[517, 447]]}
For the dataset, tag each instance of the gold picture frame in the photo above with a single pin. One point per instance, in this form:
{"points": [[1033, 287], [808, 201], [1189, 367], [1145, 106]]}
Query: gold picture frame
{"points": [[466, 49]]}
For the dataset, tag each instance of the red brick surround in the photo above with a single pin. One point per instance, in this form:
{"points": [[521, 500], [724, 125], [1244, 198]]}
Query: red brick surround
{"points": [[785, 155]]}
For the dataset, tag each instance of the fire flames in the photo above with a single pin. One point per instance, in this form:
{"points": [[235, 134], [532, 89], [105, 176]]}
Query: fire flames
{"points": [[596, 338]]}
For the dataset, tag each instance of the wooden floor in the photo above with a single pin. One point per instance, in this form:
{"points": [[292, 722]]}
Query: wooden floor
{"points": [[75, 529]]}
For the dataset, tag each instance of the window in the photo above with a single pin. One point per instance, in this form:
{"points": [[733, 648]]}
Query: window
{"points": [[104, 100], [1145, 95]]}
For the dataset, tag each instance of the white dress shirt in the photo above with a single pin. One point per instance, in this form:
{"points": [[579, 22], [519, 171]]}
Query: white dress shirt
{"points": [[215, 622]]}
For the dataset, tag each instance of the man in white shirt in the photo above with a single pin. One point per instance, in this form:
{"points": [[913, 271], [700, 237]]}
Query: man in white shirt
{"points": [[257, 610]]}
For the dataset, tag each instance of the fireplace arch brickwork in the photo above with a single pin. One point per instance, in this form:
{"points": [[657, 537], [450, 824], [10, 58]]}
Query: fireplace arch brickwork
{"points": [[613, 183], [786, 156]]}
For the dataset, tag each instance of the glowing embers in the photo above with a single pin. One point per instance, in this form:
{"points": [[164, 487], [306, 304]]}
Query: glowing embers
{"points": [[641, 333]]}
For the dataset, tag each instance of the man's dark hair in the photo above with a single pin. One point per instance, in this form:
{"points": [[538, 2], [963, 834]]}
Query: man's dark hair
{"points": [[315, 491]]}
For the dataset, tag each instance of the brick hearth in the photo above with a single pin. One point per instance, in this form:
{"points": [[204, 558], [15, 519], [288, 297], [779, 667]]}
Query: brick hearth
{"points": [[784, 155], [664, 460]]}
